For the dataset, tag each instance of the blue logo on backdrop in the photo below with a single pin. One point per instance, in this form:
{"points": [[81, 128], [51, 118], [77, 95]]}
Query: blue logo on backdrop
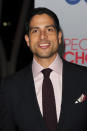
{"points": [[73, 2], [85, 0]]}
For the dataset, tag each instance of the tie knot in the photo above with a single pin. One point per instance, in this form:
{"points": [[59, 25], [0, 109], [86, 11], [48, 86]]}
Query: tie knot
{"points": [[46, 72]]}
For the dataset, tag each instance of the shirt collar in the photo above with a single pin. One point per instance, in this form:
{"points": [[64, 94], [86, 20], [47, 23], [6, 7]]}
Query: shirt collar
{"points": [[56, 66]]}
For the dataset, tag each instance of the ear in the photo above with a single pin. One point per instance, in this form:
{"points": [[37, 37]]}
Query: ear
{"points": [[60, 37], [27, 40]]}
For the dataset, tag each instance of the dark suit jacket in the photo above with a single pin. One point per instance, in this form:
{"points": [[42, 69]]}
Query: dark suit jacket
{"points": [[20, 110]]}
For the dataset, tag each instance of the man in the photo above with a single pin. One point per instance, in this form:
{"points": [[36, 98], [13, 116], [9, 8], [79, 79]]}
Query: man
{"points": [[26, 107]]}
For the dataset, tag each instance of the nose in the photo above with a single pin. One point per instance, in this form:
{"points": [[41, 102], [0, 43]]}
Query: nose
{"points": [[43, 35]]}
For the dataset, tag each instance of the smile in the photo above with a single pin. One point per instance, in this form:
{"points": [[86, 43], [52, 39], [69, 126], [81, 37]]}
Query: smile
{"points": [[44, 46]]}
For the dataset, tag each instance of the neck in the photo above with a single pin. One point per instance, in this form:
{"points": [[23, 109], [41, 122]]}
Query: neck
{"points": [[45, 62]]}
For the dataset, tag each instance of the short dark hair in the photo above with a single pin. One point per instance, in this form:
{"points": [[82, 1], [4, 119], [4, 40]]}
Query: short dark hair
{"points": [[39, 11], [43, 10]]}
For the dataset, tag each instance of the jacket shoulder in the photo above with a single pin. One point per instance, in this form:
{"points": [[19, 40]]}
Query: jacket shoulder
{"points": [[18, 79], [73, 66]]}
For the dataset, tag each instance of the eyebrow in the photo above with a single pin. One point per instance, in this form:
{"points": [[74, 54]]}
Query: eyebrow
{"points": [[47, 26], [50, 26], [34, 27]]}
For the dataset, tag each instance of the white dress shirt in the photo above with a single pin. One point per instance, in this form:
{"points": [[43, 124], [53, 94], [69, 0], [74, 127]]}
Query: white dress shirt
{"points": [[56, 78]]}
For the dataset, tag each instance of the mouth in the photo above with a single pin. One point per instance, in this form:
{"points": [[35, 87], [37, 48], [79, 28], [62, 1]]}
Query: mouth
{"points": [[44, 45]]}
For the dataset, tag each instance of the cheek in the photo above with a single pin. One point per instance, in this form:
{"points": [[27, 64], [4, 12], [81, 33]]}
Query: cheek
{"points": [[55, 41], [34, 38], [53, 37], [33, 42]]}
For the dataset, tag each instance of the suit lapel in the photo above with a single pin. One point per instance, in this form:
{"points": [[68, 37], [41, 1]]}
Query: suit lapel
{"points": [[31, 100], [70, 92]]}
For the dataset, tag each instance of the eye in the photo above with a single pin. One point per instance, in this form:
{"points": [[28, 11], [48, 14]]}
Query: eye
{"points": [[34, 31], [51, 29]]}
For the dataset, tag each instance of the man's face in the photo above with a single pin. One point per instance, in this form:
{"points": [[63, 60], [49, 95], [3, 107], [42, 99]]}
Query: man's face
{"points": [[43, 37]]}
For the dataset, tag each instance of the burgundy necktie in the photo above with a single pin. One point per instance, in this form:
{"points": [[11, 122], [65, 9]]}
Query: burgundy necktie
{"points": [[48, 101]]}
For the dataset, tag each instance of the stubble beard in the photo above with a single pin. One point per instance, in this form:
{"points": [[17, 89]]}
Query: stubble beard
{"points": [[41, 55]]}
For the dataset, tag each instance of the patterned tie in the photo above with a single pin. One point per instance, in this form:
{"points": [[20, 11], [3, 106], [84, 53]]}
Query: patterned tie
{"points": [[48, 101]]}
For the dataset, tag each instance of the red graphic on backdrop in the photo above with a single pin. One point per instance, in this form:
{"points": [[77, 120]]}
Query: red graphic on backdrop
{"points": [[76, 50]]}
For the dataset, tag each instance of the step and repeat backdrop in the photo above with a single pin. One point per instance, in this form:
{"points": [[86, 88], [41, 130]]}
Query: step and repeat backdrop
{"points": [[72, 15]]}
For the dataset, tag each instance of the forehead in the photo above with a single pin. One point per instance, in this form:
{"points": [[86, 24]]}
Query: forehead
{"points": [[42, 19]]}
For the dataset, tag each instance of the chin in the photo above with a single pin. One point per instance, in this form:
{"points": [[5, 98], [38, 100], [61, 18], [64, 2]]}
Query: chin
{"points": [[45, 56]]}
